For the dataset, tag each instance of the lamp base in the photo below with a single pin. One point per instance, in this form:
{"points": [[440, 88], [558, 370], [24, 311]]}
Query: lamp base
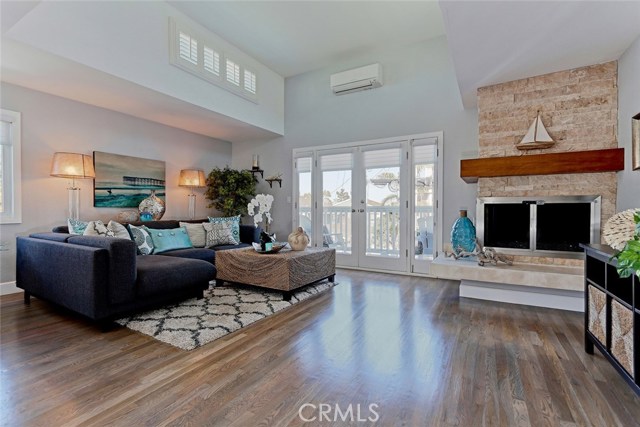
{"points": [[192, 206], [74, 202]]}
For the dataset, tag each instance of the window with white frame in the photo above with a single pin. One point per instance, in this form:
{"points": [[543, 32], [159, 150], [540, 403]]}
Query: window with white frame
{"points": [[233, 73], [188, 48], [250, 81], [10, 191], [211, 61], [202, 56]]}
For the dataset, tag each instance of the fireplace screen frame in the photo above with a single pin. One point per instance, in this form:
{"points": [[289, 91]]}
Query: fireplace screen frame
{"points": [[533, 202]]}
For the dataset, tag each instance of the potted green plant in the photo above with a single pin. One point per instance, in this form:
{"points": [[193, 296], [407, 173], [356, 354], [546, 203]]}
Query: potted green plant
{"points": [[629, 257], [230, 190]]}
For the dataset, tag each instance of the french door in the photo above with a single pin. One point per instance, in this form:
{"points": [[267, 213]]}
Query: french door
{"points": [[372, 202]]}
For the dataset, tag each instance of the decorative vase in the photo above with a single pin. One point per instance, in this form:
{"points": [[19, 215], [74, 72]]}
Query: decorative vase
{"points": [[152, 204], [298, 240], [463, 234]]}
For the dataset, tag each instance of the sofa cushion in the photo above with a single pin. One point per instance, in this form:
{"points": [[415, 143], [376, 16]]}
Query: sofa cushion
{"points": [[169, 239], [163, 274], [232, 221], [219, 233], [250, 234], [197, 234], [204, 254], [142, 238], [56, 237], [225, 247]]}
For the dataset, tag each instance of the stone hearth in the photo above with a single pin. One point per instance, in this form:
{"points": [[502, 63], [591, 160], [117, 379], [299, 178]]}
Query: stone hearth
{"points": [[579, 109]]}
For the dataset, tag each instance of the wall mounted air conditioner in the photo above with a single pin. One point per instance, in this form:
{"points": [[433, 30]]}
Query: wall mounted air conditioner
{"points": [[363, 78]]}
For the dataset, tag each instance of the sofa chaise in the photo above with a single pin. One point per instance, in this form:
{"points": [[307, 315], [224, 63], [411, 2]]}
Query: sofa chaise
{"points": [[104, 278]]}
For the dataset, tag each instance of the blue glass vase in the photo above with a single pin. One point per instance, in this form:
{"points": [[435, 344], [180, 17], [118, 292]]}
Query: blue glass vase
{"points": [[463, 234]]}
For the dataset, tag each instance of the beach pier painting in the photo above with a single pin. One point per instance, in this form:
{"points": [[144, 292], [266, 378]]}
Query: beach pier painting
{"points": [[124, 181]]}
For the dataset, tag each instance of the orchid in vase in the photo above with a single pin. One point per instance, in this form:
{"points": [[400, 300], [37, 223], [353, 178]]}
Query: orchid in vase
{"points": [[262, 202]]}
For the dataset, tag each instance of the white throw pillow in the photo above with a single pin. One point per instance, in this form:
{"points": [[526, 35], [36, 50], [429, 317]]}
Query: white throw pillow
{"points": [[197, 234], [113, 229], [219, 234]]}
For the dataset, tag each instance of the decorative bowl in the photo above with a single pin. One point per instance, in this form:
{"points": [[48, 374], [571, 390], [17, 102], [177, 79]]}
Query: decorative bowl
{"points": [[277, 247]]}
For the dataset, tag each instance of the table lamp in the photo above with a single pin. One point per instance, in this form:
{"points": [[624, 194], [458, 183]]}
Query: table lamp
{"points": [[192, 178], [73, 166]]}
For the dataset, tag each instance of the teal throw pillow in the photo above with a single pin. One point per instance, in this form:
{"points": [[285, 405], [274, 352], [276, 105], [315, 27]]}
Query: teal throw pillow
{"points": [[232, 221], [169, 240]]}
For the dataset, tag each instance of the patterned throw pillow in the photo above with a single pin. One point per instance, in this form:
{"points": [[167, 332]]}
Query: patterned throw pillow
{"points": [[142, 239], [197, 234], [97, 228], [219, 233], [113, 229], [169, 239], [234, 221], [76, 226]]}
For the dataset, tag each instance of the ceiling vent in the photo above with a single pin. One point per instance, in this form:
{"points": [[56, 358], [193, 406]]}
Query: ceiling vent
{"points": [[363, 78]]}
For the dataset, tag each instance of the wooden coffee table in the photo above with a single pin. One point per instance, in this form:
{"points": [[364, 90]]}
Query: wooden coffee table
{"points": [[284, 271]]}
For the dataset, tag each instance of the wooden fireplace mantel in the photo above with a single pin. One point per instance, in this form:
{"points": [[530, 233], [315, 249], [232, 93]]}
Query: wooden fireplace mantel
{"points": [[609, 160]]}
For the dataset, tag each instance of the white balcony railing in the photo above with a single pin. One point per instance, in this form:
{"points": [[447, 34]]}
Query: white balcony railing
{"points": [[383, 229]]}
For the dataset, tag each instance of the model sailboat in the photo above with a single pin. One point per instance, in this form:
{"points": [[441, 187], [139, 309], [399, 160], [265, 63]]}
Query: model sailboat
{"points": [[536, 137]]}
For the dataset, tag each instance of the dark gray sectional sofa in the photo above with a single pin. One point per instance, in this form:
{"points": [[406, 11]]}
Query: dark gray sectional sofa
{"points": [[103, 278]]}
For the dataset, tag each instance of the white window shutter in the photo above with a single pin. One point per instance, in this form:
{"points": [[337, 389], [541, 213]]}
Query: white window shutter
{"points": [[250, 81], [233, 72], [211, 61], [188, 48]]}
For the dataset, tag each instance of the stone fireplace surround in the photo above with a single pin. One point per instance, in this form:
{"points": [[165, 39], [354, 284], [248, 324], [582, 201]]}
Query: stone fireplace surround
{"points": [[579, 108]]}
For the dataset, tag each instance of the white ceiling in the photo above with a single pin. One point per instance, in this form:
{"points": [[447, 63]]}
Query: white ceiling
{"points": [[293, 37], [498, 41], [489, 41]]}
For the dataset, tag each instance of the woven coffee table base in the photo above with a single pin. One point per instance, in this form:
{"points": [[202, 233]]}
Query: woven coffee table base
{"points": [[284, 271]]}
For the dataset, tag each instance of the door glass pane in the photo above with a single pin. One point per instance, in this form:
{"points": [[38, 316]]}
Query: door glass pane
{"points": [[337, 189], [424, 158], [305, 220], [382, 204]]}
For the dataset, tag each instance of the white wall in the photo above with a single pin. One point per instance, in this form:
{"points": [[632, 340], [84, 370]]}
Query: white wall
{"points": [[108, 36], [51, 124], [419, 95], [628, 106]]}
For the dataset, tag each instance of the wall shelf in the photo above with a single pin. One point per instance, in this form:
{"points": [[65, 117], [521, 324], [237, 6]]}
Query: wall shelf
{"points": [[255, 171], [272, 180], [609, 160]]}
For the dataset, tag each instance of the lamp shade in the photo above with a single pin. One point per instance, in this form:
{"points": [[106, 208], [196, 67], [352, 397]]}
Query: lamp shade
{"points": [[192, 178], [72, 165]]}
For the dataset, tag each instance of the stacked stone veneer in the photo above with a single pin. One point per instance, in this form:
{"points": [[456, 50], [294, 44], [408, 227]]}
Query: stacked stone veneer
{"points": [[578, 107]]}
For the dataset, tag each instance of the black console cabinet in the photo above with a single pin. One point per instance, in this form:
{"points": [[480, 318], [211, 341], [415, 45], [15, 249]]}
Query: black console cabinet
{"points": [[612, 313]]}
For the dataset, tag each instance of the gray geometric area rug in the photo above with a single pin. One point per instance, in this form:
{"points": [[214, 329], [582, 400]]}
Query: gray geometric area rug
{"points": [[225, 309]]}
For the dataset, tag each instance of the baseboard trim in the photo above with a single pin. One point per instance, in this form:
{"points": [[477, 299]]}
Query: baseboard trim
{"points": [[526, 295], [7, 288]]}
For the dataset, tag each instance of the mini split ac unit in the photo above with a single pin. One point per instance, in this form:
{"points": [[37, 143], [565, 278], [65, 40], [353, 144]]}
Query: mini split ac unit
{"points": [[363, 78]]}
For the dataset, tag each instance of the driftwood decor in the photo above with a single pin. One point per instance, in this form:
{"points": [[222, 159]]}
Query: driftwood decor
{"points": [[484, 255]]}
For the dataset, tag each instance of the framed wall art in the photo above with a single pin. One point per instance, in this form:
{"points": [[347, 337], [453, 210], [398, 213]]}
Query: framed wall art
{"points": [[124, 181]]}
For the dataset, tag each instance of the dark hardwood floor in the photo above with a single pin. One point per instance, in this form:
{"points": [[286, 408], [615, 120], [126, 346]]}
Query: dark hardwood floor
{"points": [[408, 345]]}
